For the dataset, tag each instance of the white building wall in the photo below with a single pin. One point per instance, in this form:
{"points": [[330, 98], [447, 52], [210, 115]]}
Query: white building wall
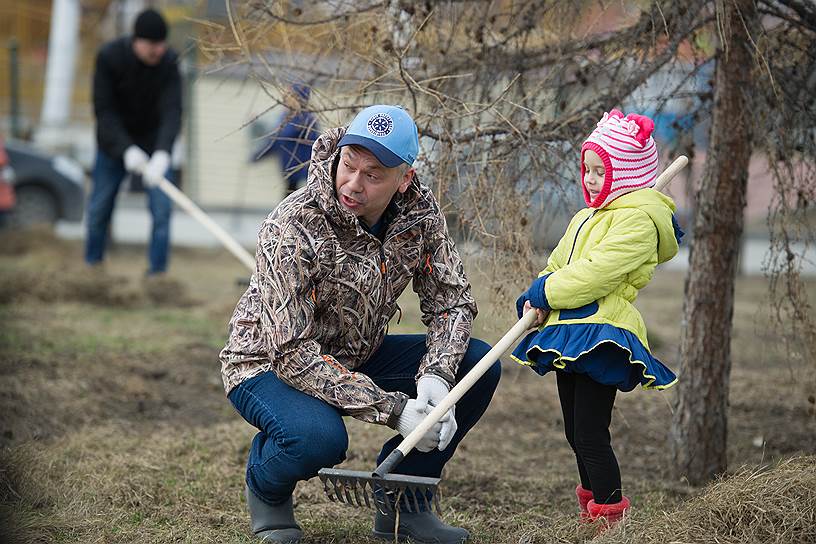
{"points": [[221, 173]]}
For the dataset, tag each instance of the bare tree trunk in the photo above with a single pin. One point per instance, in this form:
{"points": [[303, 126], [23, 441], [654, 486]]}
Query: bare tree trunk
{"points": [[699, 427]]}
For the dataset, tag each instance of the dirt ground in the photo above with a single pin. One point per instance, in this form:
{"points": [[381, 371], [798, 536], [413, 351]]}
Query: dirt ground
{"points": [[114, 426]]}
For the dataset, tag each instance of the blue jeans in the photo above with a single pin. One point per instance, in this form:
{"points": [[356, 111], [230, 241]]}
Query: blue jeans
{"points": [[108, 174], [300, 434]]}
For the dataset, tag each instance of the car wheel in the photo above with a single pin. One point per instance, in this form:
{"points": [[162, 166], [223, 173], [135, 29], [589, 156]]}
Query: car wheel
{"points": [[35, 206]]}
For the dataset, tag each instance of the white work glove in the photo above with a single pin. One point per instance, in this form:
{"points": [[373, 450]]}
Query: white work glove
{"points": [[431, 390], [410, 418], [156, 168], [449, 427], [135, 159]]}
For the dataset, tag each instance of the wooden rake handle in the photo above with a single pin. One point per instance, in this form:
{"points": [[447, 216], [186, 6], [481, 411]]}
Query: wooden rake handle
{"points": [[668, 174], [190, 207], [453, 396]]}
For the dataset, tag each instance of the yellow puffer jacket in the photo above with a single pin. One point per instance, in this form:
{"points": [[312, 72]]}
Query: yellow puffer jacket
{"points": [[605, 257]]}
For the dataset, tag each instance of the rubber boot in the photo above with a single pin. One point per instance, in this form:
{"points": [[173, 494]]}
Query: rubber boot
{"points": [[612, 514], [272, 523], [584, 496], [419, 527]]}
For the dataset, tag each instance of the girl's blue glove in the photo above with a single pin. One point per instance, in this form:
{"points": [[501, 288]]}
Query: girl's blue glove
{"points": [[536, 295]]}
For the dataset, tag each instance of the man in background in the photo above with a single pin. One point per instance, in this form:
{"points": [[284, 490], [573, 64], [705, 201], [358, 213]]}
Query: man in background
{"points": [[137, 103]]}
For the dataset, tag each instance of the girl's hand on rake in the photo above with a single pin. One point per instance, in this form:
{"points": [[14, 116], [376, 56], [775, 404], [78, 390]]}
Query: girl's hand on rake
{"points": [[534, 295], [541, 315]]}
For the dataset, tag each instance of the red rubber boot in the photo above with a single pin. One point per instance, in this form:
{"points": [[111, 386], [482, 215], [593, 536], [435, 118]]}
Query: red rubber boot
{"points": [[584, 496], [612, 514]]}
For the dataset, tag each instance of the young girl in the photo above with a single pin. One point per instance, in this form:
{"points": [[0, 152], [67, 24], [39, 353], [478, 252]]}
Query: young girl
{"points": [[593, 337]]}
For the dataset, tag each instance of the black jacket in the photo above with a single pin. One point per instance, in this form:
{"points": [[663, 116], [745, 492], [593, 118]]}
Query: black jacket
{"points": [[135, 103]]}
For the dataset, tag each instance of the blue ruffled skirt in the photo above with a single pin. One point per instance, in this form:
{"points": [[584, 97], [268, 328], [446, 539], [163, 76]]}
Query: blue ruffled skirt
{"points": [[607, 354]]}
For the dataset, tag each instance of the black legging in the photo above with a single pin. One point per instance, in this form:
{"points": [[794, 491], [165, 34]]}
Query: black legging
{"points": [[587, 408]]}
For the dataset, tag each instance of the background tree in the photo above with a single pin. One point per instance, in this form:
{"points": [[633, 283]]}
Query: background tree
{"points": [[700, 423]]}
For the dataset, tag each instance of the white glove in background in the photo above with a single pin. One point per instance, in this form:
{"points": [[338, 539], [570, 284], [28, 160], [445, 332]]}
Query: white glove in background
{"points": [[135, 159], [156, 168], [431, 390], [408, 421]]}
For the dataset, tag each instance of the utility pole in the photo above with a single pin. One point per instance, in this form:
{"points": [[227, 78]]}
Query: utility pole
{"points": [[59, 75]]}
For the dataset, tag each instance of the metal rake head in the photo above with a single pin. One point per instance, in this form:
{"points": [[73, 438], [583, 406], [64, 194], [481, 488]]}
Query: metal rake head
{"points": [[363, 489]]}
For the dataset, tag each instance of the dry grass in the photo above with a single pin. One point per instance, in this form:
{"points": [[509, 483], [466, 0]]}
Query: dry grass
{"points": [[114, 426], [768, 505], [45, 270]]}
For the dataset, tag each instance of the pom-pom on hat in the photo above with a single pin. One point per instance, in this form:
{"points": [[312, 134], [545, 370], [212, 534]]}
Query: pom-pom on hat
{"points": [[627, 149], [150, 25]]}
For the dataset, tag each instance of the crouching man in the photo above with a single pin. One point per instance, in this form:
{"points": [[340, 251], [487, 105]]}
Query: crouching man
{"points": [[307, 341]]}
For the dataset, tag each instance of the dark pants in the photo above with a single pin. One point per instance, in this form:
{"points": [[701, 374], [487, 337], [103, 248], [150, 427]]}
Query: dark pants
{"points": [[587, 408], [108, 174], [300, 434]]}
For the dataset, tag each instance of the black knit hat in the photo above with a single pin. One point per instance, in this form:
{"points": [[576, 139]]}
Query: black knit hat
{"points": [[150, 25]]}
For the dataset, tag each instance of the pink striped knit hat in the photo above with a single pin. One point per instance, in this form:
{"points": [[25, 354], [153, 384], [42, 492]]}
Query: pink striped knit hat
{"points": [[628, 152]]}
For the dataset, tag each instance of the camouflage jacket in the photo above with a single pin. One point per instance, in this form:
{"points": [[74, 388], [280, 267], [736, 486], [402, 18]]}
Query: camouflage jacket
{"points": [[324, 290]]}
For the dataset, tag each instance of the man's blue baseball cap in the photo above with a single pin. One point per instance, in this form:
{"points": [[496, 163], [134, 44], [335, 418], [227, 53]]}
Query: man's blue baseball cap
{"points": [[388, 132]]}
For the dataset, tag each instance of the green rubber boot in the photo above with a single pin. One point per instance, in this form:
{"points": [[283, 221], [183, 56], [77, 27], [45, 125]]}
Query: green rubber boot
{"points": [[419, 527], [272, 523]]}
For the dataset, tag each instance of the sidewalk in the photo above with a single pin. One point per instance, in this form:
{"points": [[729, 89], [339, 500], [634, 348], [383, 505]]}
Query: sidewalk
{"points": [[131, 224]]}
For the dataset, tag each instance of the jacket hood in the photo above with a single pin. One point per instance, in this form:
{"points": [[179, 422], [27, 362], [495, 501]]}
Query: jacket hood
{"points": [[660, 208], [321, 181]]}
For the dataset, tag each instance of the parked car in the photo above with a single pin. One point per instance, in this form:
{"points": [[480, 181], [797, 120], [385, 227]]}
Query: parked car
{"points": [[47, 187], [6, 185]]}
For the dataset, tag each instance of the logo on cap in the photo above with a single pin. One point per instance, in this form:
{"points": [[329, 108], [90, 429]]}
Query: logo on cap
{"points": [[380, 124]]}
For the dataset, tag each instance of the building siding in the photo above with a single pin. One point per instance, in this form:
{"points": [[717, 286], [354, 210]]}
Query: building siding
{"points": [[222, 175]]}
